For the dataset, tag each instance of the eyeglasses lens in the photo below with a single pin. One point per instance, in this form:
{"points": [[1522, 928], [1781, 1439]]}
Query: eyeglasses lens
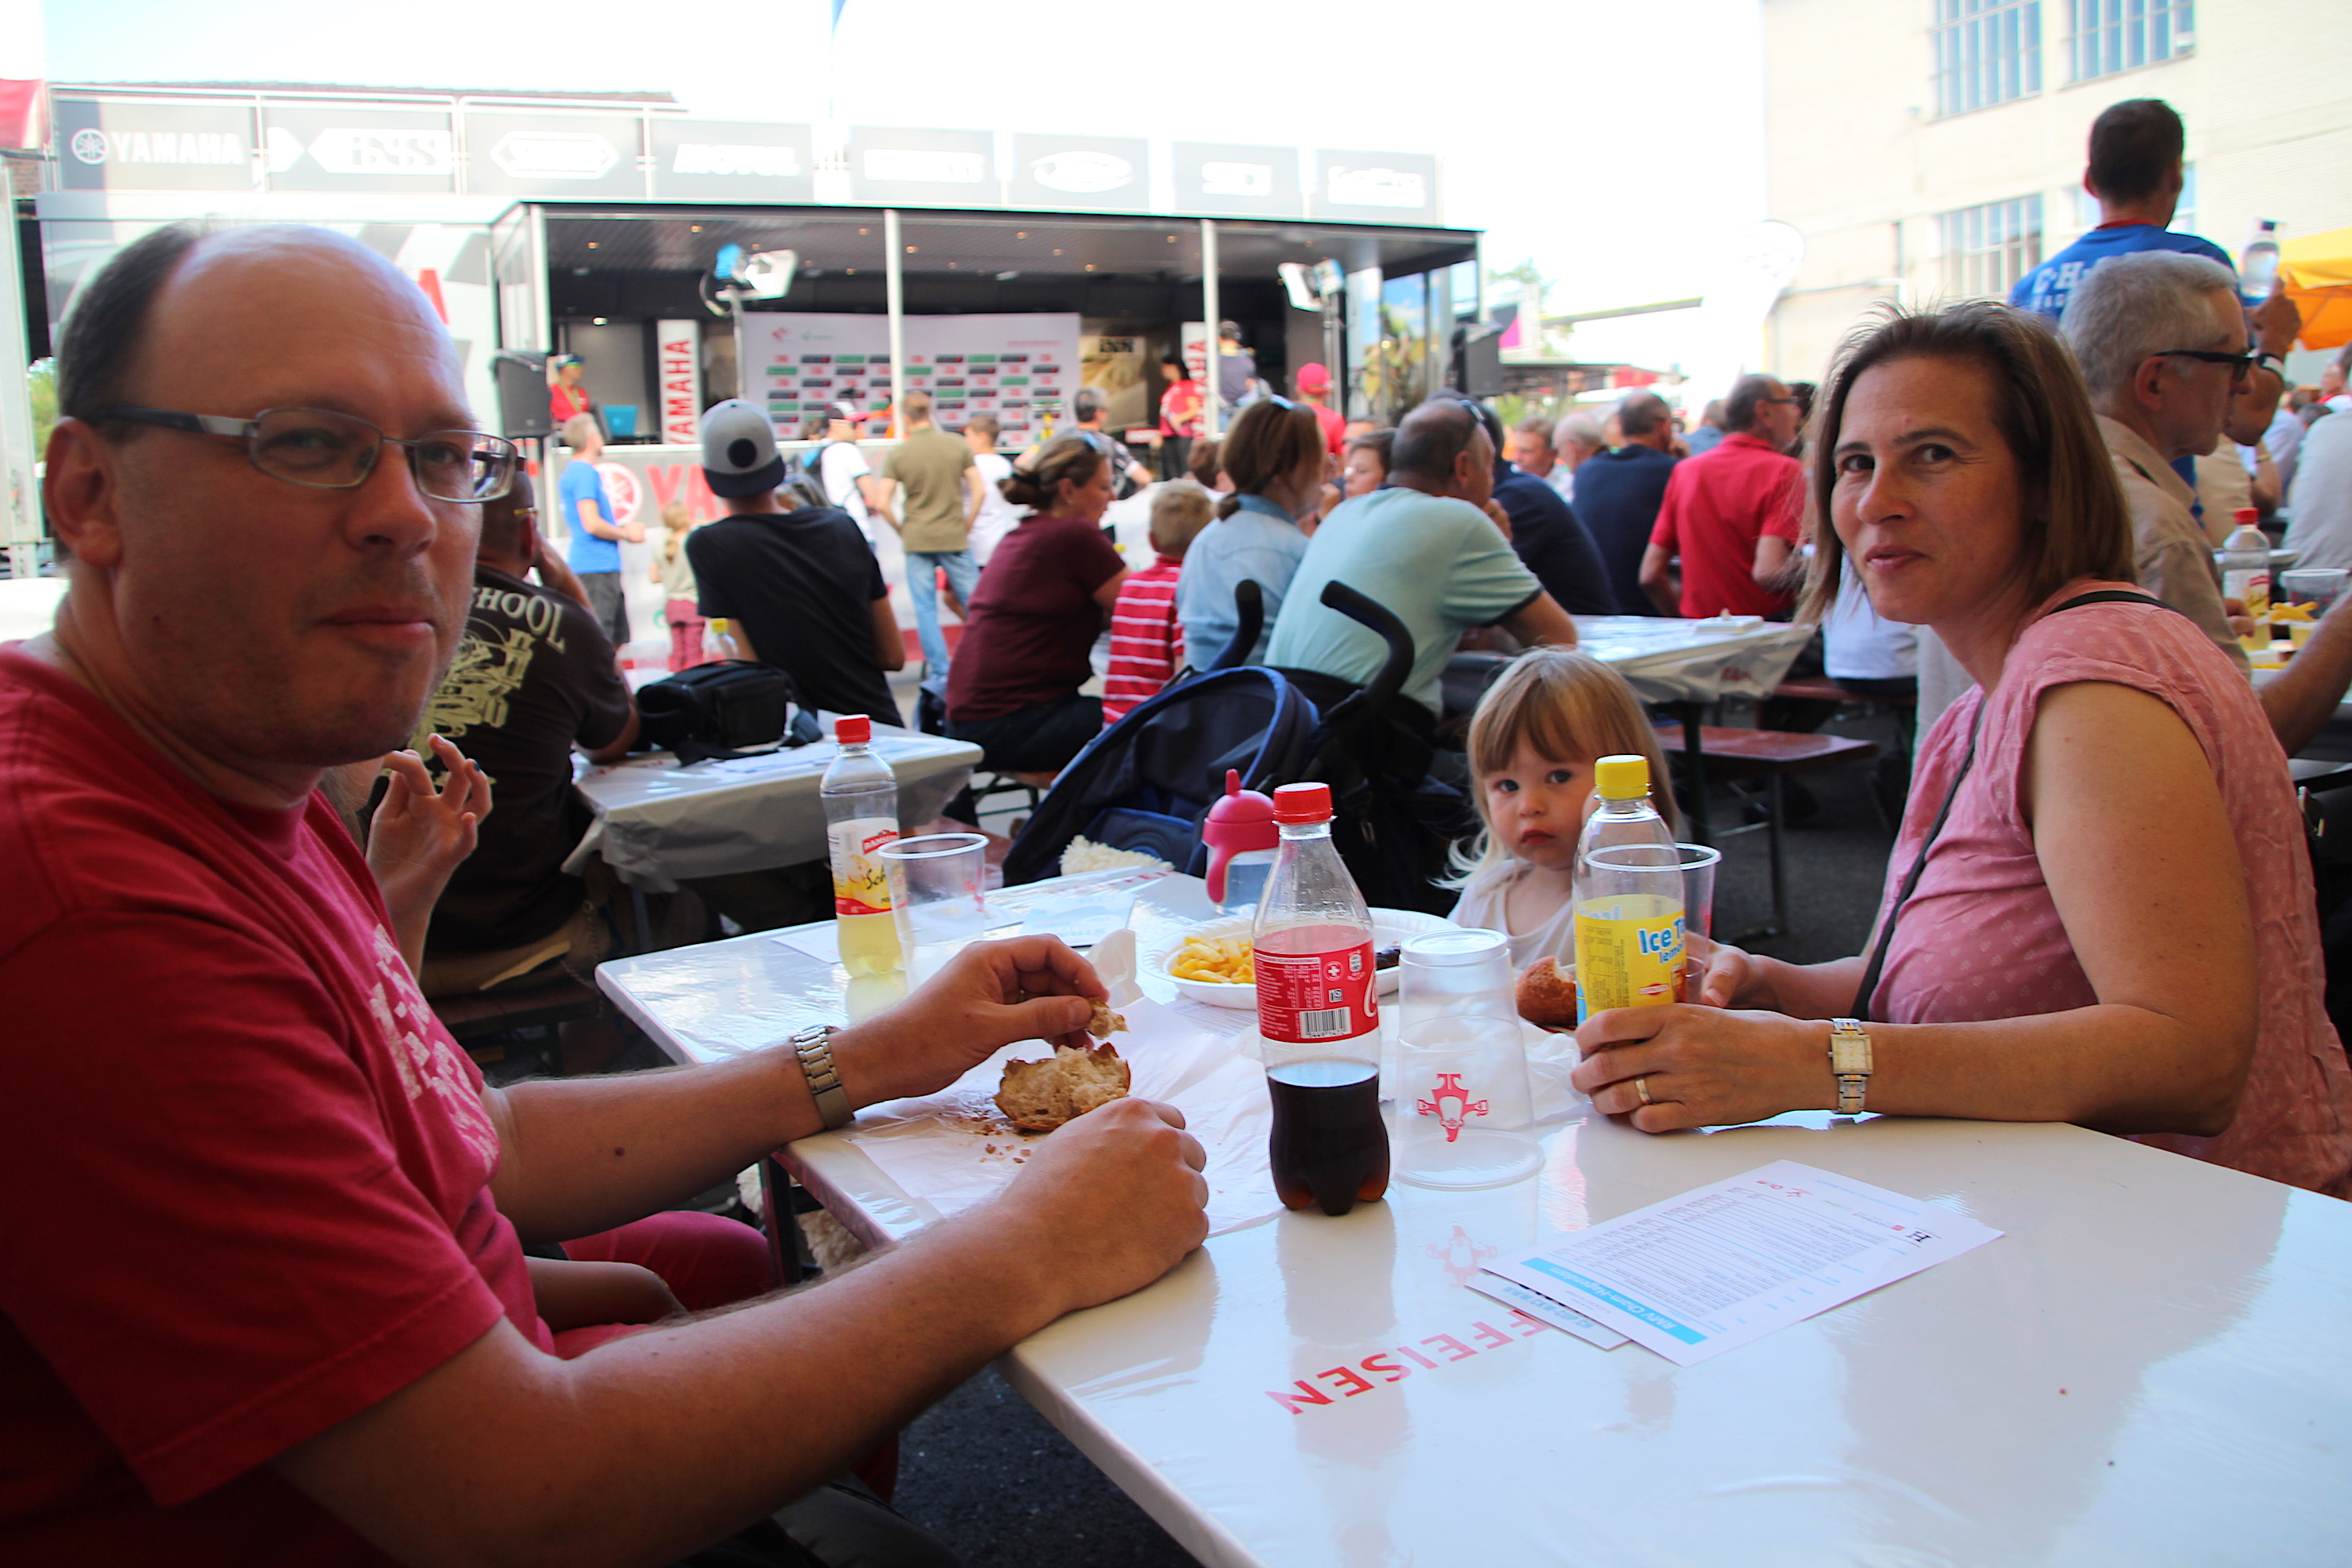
{"points": [[337, 451]]}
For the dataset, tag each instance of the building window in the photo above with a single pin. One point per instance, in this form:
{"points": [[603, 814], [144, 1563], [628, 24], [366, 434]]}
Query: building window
{"points": [[1987, 51], [1987, 250], [2111, 36]]}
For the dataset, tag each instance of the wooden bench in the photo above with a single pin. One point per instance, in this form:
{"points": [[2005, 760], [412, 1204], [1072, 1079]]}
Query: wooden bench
{"points": [[478, 1021], [1822, 689], [1771, 755]]}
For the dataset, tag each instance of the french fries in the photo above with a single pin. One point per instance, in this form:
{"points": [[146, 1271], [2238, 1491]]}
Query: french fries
{"points": [[1224, 960]]}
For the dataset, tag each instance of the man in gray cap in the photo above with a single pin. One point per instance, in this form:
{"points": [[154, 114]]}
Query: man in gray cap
{"points": [[802, 588]]}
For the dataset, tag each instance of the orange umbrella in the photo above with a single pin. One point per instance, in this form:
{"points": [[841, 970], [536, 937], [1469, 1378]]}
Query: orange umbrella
{"points": [[2317, 270]]}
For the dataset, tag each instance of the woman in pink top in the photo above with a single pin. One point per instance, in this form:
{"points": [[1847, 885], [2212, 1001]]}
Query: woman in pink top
{"points": [[2114, 924]]}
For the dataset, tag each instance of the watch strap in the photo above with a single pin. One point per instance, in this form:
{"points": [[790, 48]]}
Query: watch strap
{"points": [[1850, 1063], [814, 1048]]}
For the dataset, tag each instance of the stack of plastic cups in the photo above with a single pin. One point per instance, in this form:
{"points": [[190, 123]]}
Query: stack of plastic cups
{"points": [[1465, 1116]]}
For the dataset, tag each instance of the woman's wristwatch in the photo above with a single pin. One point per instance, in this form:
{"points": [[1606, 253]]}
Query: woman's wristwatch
{"points": [[1850, 1063]]}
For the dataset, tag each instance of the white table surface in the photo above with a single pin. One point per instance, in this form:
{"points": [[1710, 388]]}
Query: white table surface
{"points": [[657, 822], [2151, 1366], [1669, 660]]}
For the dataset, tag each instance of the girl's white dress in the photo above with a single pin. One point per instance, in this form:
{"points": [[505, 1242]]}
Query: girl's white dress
{"points": [[1483, 904]]}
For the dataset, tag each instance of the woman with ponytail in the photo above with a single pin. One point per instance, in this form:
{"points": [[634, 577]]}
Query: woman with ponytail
{"points": [[1012, 688], [1273, 455]]}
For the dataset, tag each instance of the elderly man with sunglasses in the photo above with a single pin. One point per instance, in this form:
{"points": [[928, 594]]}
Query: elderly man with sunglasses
{"points": [[2161, 338], [266, 1298]]}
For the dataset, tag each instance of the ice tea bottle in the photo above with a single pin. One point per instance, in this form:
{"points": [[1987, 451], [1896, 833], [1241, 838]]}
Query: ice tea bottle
{"points": [[861, 816], [1319, 1011], [1628, 897]]}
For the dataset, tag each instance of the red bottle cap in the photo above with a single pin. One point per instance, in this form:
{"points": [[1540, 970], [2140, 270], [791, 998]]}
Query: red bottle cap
{"points": [[2246, 517], [853, 730], [1301, 803]]}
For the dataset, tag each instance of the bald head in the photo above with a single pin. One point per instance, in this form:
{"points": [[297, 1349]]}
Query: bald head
{"points": [[1443, 448], [265, 628]]}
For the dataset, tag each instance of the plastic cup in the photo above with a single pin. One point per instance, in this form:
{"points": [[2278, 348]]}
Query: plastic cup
{"points": [[1699, 862], [2318, 586], [1465, 1116], [936, 897], [2299, 632]]}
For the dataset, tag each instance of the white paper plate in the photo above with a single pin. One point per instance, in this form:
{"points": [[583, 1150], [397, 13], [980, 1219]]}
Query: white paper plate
{"points": [[1390, 927]]}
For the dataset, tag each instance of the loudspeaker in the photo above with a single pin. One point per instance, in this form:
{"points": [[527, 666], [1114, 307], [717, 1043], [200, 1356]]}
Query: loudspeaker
{"points": [[523, 408], [1478, 360]]}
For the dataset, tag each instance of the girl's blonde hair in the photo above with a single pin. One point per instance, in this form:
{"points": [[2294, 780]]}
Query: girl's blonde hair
{"points": [[1566, 707]]}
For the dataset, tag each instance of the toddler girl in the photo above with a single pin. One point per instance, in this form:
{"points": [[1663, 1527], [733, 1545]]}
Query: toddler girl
{"points": [[675, 573], [1533, 741]]}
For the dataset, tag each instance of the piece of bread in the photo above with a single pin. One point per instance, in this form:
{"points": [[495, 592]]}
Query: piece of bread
{"points": [[1039, 1096], [1546, 998], [1104, 1023]]}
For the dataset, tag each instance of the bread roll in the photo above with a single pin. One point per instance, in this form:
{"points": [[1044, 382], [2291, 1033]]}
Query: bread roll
{"points": [[1546, 997], [1103, 1023], [1039, 1096]]}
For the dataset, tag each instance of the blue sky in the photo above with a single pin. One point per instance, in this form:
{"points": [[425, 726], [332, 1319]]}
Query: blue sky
{"points": [[1615, 143]]}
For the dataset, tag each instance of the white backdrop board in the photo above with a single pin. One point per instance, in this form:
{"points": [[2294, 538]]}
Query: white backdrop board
{"points": [[1020, 368]]}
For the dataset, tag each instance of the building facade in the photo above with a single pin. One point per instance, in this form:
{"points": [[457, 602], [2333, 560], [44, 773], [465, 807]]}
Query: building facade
{"points": [[1933, 150]]}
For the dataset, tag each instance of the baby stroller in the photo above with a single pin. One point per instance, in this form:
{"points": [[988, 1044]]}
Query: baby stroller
{"points": [[1147, 782]]}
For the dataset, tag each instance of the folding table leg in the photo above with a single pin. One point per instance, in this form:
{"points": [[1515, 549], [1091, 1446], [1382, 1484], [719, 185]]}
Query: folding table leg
{"points": [[1772, 843], [1695, 769], [783, 1227]]}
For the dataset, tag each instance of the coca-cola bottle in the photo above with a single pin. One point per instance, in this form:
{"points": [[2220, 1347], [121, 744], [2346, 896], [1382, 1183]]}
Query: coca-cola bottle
{"points": [[1319, 1011]]}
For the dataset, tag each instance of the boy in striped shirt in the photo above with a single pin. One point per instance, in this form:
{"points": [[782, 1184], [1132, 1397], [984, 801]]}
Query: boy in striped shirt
{"points": [[1147, 642]]}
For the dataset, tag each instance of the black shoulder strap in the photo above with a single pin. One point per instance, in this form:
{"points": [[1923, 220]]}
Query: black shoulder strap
{"points": [[1871, 973]]}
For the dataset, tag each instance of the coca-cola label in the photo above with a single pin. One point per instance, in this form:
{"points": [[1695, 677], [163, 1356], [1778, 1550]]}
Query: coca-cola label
{"points": [[1313, 998], [861, 883]]}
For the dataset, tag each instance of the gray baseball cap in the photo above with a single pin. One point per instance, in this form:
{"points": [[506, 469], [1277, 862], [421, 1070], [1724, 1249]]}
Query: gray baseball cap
{"points": [[738, 449]]}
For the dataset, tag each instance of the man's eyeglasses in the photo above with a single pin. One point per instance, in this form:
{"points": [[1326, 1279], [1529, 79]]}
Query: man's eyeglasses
{"points": [[2241, 365], [321, 449]]}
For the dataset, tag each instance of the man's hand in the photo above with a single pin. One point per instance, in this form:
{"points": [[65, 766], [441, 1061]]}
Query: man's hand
{"points": [[989, 996], [1498, 516], [2275, 321], [1113, 1199]]}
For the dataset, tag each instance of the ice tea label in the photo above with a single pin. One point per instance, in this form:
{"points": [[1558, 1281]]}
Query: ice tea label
{"points": [[1629, 953], [2251, 588], [861, 883], [1304, 998]]}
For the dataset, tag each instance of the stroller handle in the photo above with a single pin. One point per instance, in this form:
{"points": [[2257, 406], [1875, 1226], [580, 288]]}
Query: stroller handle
{"points": [[1249, 619], [1382, 621]]}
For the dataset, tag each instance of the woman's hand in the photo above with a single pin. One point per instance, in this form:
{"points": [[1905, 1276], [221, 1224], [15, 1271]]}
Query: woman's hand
{"points": [[1722, 976], [1681, 1066]]}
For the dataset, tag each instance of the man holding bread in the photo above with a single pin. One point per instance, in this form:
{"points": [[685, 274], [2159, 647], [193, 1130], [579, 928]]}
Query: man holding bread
{"points": [[266, 1300]]}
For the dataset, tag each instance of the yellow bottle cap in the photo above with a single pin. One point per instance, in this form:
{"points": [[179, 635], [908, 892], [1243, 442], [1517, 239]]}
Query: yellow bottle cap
{"points": [[1621, 778]]}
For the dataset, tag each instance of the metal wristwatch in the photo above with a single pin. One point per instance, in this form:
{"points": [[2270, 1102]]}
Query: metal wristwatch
{"points": [[1850, 1061], [813, 1045]]}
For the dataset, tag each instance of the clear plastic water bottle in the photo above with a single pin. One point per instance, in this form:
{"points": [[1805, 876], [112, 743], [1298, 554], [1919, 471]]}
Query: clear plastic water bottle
{"points": [[861, 816], [2258, 263], [1319, 1012], [2246, 563], [719, 639], [1628, 897]]}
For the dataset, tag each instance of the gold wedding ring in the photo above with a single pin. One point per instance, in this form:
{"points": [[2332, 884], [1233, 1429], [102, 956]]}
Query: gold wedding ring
{"points": [[1642, 1087]]}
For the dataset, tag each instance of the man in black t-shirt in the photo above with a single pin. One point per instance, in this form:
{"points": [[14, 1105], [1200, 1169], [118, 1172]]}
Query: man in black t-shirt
{"points": [[1550, 540], [801, 588], [534, 677]]}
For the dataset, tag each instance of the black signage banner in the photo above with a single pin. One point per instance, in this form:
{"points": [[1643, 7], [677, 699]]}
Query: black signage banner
{"points": [[1060, 172], [327, 147], [732, 161], [554, 155], [1376, 188], [110, 144], [1218, 178], [890, 167]]}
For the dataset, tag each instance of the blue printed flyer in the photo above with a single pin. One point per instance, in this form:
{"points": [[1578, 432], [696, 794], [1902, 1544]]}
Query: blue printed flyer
{"points": [[1695, 1275]]}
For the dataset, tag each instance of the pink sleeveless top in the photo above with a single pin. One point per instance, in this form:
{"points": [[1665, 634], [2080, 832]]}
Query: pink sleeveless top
{"points": [[1980, 938]]}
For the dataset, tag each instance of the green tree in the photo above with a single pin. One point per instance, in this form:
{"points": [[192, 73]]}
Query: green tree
{"points": [[41, 384]]}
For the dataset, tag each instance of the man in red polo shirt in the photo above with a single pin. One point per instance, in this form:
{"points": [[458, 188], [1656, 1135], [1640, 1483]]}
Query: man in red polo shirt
{"points": [[1733, 513], [265, 1299]]}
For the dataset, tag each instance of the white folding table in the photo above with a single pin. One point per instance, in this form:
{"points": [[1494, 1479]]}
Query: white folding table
{"points": [[2151, 1366]]}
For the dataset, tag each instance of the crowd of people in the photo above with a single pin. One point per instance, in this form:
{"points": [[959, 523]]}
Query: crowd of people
{"points": [[291, 1282]]}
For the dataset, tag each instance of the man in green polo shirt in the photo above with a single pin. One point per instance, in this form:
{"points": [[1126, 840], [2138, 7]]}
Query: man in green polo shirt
{"points": [[943, 496]]}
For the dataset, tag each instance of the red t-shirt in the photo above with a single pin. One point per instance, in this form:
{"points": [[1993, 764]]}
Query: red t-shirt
{"points": [[1335, 428], [1717, 506], [1032, 620], [1147, 641], [242, 1189]]}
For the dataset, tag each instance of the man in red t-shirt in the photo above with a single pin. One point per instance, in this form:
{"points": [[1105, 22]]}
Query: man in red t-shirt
{"points": [[265, 1299], [1734, 513]]}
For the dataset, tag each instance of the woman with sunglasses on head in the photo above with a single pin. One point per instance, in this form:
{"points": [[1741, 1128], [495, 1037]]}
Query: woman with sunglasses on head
{"points": [[2099, 909], [1273, 456], [1012, 688]]}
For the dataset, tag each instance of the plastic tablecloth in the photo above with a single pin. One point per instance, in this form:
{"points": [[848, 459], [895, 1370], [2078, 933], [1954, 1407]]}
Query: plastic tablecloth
{"points": [[1693, 661], [2149, 1365], [657, 822]]}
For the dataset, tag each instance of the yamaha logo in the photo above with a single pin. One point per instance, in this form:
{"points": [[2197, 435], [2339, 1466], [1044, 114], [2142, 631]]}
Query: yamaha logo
{"points": [[89, 146]]}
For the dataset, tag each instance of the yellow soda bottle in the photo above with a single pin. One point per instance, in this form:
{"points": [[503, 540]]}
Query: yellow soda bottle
{"points": [[861, 813], [1628, 897]]}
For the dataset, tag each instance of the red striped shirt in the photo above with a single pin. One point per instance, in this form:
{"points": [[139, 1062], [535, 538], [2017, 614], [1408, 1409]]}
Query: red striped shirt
{"points": [[1147, 642]]}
